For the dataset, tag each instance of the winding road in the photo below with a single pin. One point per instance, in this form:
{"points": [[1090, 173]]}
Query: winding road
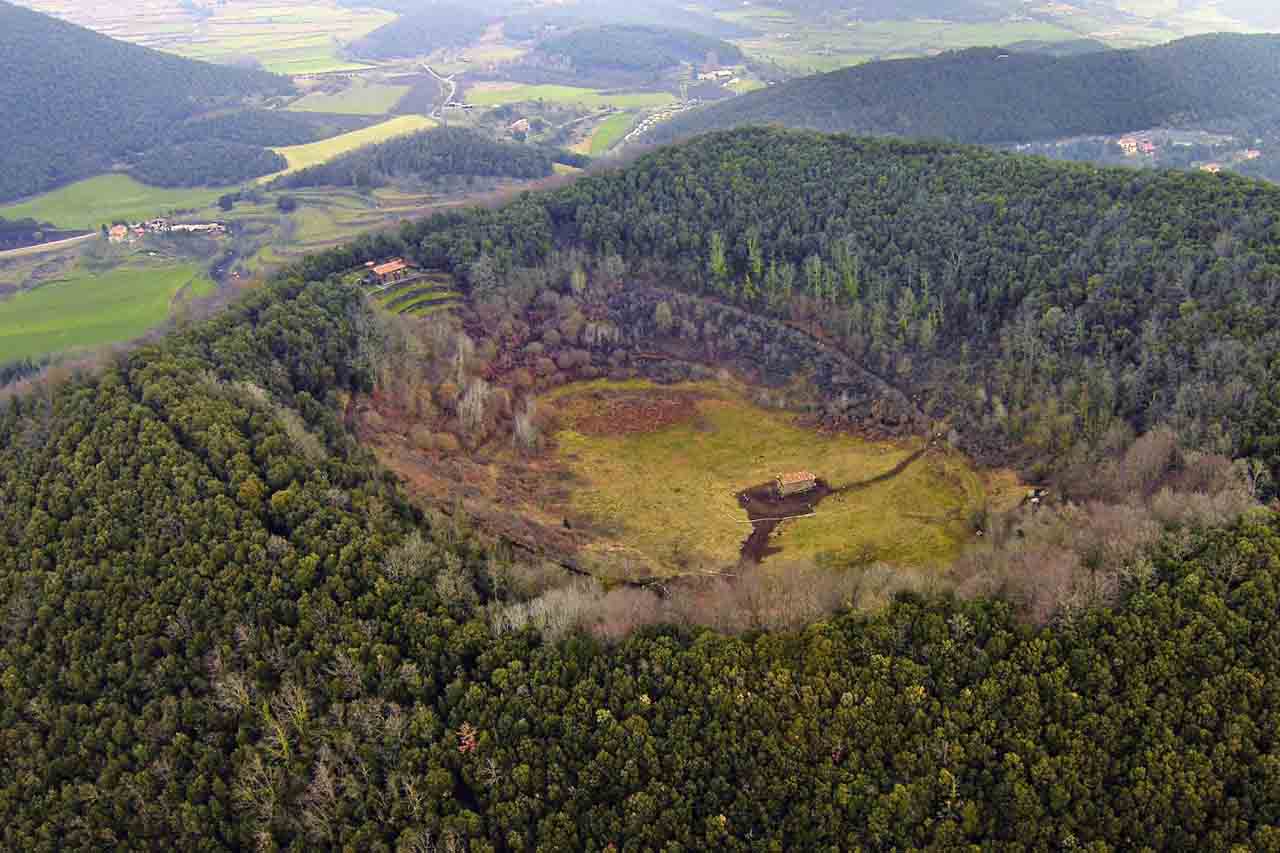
{"points": [[453, 89]]}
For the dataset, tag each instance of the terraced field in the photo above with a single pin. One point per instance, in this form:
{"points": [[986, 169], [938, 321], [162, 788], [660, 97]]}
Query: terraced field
{"points": [[418, 296]]}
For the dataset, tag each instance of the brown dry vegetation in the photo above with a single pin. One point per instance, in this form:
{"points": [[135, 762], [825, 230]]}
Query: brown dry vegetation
{"points": [[466, 406]]}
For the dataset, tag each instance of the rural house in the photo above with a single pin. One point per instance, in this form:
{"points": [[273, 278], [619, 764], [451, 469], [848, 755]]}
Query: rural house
{"points": [[794, 483], [387, 272]]}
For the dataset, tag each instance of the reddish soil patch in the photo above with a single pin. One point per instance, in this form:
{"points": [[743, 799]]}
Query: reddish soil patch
{"points": [[767, 511], [628, 412]]}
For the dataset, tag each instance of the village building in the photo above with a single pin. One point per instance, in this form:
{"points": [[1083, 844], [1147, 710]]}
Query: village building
{"points": [[1128, 145], [118, 233], [794, 483], [199, 228], [396, 269], [1211, 168]]}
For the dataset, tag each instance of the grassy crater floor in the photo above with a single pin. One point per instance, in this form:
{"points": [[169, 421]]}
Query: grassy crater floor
{"points": [[658, 468]]}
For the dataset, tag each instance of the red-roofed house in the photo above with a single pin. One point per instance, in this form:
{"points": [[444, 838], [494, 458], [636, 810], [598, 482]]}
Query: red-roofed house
{"points": [[392, 270]]}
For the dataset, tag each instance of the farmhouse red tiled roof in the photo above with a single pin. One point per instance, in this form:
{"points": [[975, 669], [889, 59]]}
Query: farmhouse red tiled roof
{"points": [[390, 266], [796, 477]]}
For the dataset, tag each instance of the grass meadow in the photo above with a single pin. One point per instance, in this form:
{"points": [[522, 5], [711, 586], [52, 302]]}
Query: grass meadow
{"points": [[108, 198], [670, 494], [360, 98], [498, 94], [315, 153], [610, 132], [87, 310]]}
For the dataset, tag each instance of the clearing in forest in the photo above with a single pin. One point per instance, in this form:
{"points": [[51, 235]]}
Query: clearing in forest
{"points": [[659, 468]]}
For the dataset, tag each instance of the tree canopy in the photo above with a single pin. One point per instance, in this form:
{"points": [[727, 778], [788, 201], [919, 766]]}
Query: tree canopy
{"points": [[635, 47], [992, 95], [75, 101], [428, 156], [222, 631]]}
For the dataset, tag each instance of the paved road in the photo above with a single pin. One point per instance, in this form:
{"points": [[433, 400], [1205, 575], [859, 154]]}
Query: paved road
{"points": [[27, 251], [453, 89]]}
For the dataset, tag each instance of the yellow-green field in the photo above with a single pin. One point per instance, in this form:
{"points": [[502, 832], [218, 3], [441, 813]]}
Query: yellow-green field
{"points": [[285, 36], [497, 94], [87, 310], [610, 131], [360, 98], [108, 198], [668, 496], [315, 153], [812, 46]]}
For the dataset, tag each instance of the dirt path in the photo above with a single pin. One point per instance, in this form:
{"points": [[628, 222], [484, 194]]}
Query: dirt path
{"points": [[43, 248]]}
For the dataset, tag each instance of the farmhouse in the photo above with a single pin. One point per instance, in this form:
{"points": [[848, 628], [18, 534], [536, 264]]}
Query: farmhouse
{"points": [[386, 272], [794, 483], [118, 233], [198, 228]]}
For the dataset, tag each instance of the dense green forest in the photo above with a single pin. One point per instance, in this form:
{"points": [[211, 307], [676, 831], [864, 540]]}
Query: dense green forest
{"points": [[225, 629], [1033, 305], [425, 28], [994, 95], [428, 156], [624, 47], [209, 163], [74, 101], [266, 127], [15, 233]]}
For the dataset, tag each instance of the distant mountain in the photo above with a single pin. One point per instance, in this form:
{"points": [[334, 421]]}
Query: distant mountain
{"points": [[74, 102], [991, 95], [634, 47], [423, 29], [553, 18]]}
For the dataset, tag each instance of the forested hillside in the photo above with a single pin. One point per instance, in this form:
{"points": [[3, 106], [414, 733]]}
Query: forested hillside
{"points": [[267, 127], [622, 47], [428, 156], [422, 29], [994, 95], [222, 631], [538, 21], [209, 163], [74, 101], [1036, 306]]}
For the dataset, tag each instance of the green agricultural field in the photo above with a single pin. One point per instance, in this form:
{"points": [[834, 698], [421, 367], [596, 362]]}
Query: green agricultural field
{"points": [[108, 198], [498, 94], [667, 495], [314, 153], [360, 98], [812, 47], [610, 132], [87, 310]]}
